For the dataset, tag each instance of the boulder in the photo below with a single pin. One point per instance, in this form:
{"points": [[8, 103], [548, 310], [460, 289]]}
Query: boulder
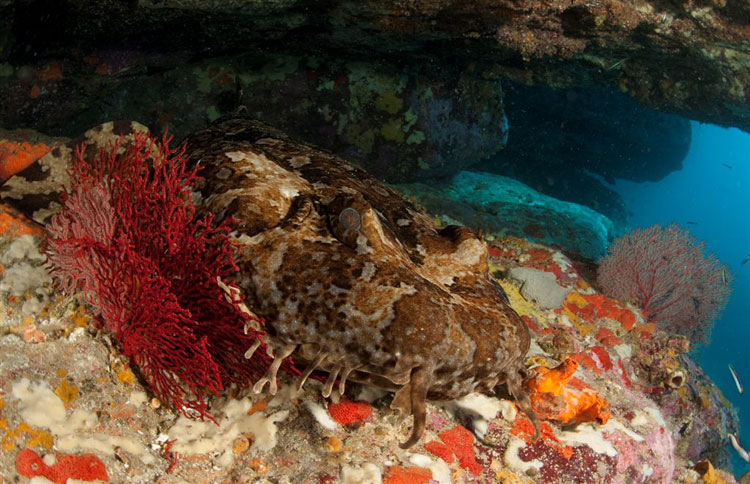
{"points": [[539, 286], [567, 142], [501, 206]]}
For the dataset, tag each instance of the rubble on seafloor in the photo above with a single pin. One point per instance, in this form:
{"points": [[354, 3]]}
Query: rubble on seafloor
{"points": [[72, 408]]}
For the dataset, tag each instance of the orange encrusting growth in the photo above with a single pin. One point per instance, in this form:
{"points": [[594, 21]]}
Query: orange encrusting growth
{"points": [[439, 449], [591, 307], [607, 337], [407, 475], [85, 467], [523, 428], [347, 412], [553, 397], [52, 72], [459, 442], [258, 406], [14, 224], [14, 156], [23, 432]]}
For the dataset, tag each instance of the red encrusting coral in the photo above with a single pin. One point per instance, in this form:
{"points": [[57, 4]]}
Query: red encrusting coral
{"points": [[459, 442], [498, 252], [531, 323], [585, 359], [347, 412], [439, 449], [602, 357], [84, 467], [624, 373], [607, 337], [523, 428], [407, 475], [590, 307], [128, 237], [542, 259]]}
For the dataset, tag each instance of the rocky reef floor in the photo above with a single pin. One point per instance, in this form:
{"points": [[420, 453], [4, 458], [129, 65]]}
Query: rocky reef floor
{"points": [[72, 409]]}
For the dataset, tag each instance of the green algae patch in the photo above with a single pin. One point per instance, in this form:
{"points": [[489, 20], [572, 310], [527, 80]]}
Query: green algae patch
{"points": [[326, 85], [409, 119], [415, 138], [364, 141], [204, 80], [213, 113], [389, 102], [392, 131], [279, 68]]}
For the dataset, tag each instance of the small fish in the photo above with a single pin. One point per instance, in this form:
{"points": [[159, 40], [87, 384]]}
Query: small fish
{"points": [[617, 63], [736, 444], [747, 258], [724, 278], [728, 166], [692, 223], [736, 378]]}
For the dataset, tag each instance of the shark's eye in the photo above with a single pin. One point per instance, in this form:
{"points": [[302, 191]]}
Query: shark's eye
{"points": [[350, 219]]}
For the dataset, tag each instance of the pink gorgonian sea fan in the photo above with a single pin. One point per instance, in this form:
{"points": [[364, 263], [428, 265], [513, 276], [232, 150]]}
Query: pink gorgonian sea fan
{"points": [[666, 272], [128, 237]]}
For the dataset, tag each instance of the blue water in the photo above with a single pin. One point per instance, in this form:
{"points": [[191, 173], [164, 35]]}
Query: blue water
{"points": [[718, 199]]}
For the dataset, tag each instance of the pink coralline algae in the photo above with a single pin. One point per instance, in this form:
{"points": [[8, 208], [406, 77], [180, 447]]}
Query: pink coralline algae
{"points": [[128, 237], [647, 460], [666, 273]]}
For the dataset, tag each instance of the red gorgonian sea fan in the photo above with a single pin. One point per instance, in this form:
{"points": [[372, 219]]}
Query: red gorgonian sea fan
{"points": [[129, 238], [665, 272]]}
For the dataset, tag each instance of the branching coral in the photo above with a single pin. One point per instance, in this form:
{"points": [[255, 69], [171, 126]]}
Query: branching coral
{"points": [[129, 238], [666, 273]]}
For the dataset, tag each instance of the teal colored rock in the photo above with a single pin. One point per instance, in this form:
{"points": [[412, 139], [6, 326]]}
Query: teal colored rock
{"points": [[501, 206]]}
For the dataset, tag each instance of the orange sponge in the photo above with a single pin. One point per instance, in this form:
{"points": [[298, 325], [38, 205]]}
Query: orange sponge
{"points": [[14, 157], [555, 397], [347, 412], [84, 467]]}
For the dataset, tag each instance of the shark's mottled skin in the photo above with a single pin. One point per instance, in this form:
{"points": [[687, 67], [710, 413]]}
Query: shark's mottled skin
{"points": [[354, 280], [350, 278], [35, 191]]}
